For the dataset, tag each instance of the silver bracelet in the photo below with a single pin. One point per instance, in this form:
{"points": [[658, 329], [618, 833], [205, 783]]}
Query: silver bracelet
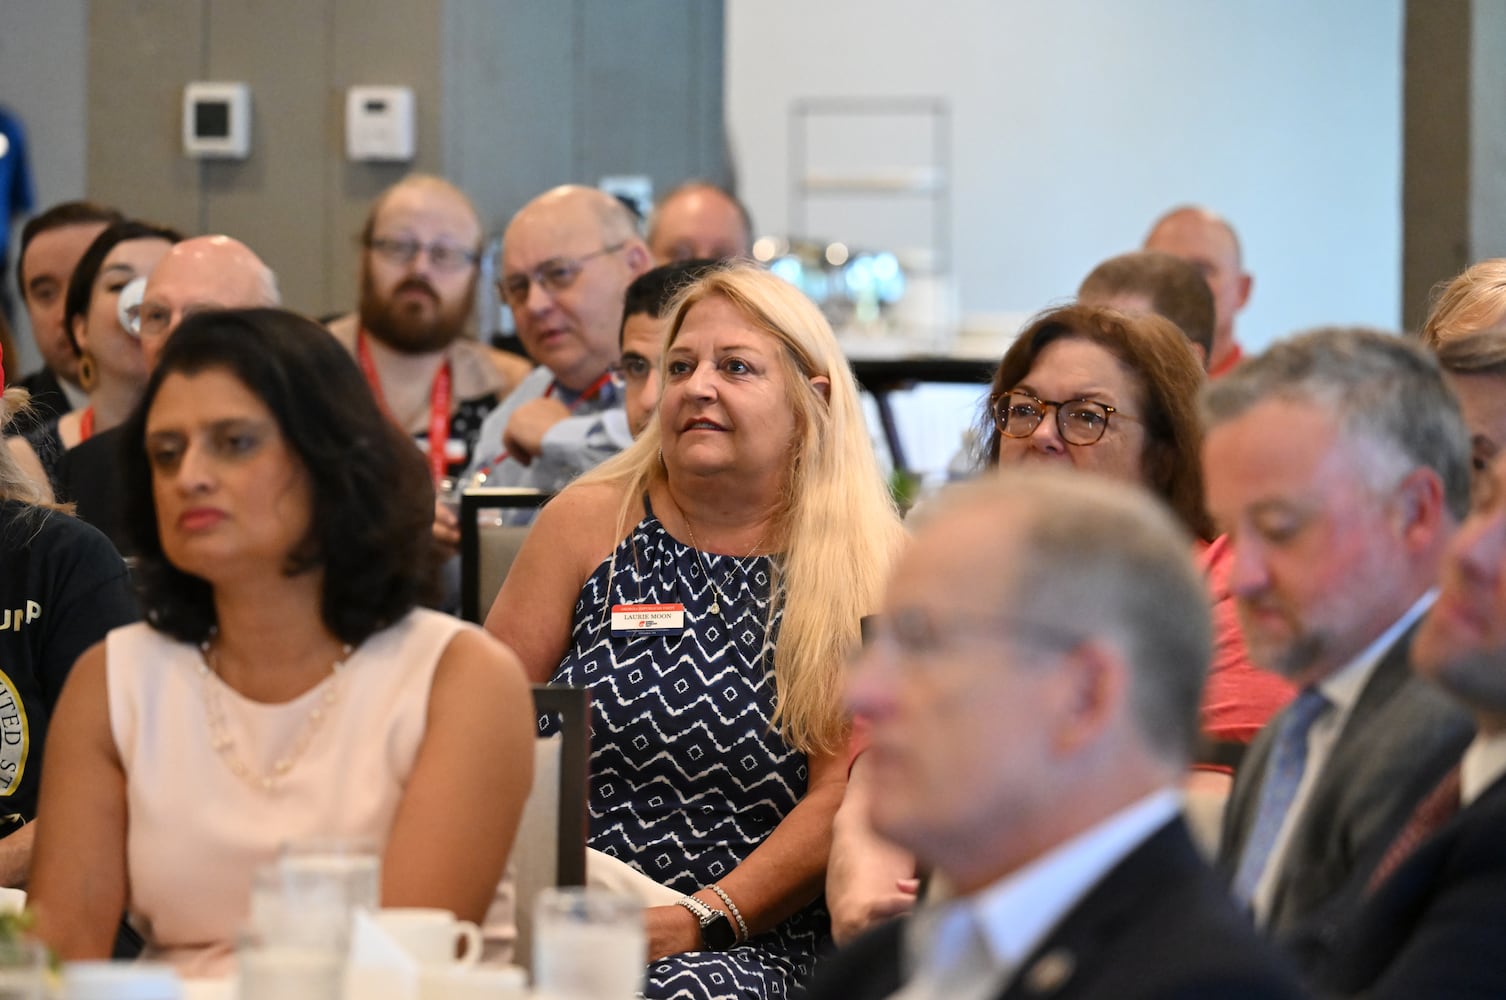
{"points": [[700, 910], [742, 928]]}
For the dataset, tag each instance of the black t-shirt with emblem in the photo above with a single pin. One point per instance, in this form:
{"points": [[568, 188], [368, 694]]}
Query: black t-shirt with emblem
{"points": [[62, 587]]}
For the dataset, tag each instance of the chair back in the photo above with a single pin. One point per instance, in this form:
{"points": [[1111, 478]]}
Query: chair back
{"points": [[489, 542], [550, 848]]}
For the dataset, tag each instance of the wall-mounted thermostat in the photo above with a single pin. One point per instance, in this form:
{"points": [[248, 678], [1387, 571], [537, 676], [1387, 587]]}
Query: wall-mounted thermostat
{"points": [[379, 123], [217, 120]]}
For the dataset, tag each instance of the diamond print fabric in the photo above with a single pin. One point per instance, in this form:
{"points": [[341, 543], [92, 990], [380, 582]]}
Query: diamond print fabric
{"points": [[686, 778]]}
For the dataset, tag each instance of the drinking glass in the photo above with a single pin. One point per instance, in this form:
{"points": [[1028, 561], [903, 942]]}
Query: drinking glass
{"points": [[273, 968], [23, 969], [588, 944], [307, 895]]}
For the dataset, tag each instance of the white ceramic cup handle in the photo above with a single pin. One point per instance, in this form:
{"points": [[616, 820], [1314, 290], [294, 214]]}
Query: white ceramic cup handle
{"points": [[471, 934]]}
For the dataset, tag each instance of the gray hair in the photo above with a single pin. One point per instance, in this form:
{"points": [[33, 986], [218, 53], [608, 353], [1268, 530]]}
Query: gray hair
{"points": [[1106, 561], [1387, 394]]}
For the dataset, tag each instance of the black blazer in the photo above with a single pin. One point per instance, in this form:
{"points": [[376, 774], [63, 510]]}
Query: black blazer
{"points": [[1158, 925], [1437, 926], [1401, 737], [90, 474]]}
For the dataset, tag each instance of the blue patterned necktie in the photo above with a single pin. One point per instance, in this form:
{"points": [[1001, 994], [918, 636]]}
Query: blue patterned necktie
{"points": [[1283, 775]]}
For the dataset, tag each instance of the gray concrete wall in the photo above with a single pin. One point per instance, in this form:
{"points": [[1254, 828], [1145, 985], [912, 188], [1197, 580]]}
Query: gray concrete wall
{"points": [[295, 199], [43, 74], [512, 97]]}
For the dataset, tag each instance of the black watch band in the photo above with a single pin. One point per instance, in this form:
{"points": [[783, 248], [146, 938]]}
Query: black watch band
{"points": [[717, 932]]}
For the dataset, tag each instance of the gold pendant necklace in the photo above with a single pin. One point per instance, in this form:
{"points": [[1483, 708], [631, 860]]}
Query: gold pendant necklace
{"points": [[717, 598], [219, 730]]}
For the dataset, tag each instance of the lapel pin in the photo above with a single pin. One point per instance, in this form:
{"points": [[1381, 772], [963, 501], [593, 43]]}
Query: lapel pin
{"points": [[1050, 972]]}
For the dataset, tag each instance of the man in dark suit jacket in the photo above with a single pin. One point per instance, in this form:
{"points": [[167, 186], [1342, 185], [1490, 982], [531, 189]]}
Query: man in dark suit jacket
{"points": [[1338, 463], [1032, 694], [1436, 927], [1401, 737]]}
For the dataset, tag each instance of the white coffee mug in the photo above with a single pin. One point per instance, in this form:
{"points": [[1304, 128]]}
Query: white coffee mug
{"points": [[430, 936]]}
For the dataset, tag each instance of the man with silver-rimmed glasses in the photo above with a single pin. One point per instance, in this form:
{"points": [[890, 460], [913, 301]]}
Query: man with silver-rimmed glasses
{"points": [[568, 257]]}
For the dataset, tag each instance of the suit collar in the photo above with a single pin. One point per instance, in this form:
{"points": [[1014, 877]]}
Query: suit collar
{"points": [[1164, 860], [1392, 671]]}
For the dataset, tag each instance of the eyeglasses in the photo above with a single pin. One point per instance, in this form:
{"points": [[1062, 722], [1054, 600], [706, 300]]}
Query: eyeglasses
{"points": [[914, 632], [152, 319], [634, 369], [446, 257], [1080, 421], [554, 275]]}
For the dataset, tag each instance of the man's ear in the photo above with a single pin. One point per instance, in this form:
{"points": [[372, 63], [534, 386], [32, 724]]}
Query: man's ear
{"points": [[1097, 678], [822, 385], [1420, 507], [638, 257]]}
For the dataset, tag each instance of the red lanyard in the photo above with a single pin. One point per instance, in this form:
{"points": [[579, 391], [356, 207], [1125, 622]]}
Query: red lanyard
{"points": [[592, 391], [439, 405], [86, 425]]}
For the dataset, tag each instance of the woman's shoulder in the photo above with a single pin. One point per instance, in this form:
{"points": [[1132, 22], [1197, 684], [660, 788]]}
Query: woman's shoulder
{"points": [[588, 498], [450, 637], [474, 659], [39, 526], [140, 643], [590, 518]]}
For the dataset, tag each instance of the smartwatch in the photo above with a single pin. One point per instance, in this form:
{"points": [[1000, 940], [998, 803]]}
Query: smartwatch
{"points": [[717, 932]]}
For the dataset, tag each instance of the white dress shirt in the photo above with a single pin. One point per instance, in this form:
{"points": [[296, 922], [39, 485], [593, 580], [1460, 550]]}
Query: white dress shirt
{"points": [[1483, 763], [1010, 918], [1342, 689]]}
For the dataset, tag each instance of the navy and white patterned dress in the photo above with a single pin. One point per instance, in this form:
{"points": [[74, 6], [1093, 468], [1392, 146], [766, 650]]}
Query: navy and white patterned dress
{"points": [[686, 776]]}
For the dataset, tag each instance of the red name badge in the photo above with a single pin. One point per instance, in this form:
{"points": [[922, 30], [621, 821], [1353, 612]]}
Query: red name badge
{"points": [[648, 619]]}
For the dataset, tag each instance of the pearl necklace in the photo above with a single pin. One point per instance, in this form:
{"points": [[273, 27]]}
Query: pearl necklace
{"points": [[717, 598], [219, 730]]}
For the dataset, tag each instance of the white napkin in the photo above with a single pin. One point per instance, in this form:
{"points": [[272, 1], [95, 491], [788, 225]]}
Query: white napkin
{"points": [[12, 900], [606, 872], [379, 968]]}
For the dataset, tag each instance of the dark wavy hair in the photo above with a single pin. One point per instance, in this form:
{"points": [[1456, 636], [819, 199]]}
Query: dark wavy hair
{"points": [[1168, 378], [373, 503], [81, 282]]}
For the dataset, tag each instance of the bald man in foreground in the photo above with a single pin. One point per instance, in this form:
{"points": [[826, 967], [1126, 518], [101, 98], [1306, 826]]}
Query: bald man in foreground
{"points": [[1206, 240], [197, 275], [568, 257]]}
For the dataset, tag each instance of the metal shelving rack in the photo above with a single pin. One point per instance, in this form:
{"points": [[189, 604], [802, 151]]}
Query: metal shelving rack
{"points": [[932, 181]]}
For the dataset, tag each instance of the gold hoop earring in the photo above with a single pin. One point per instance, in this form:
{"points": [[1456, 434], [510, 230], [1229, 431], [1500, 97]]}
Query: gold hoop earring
{"points": [[87, 375]]}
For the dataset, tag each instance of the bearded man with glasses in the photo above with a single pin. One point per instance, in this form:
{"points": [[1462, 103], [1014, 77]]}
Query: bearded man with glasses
{"points": [[421, 249], [568, 257]]}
